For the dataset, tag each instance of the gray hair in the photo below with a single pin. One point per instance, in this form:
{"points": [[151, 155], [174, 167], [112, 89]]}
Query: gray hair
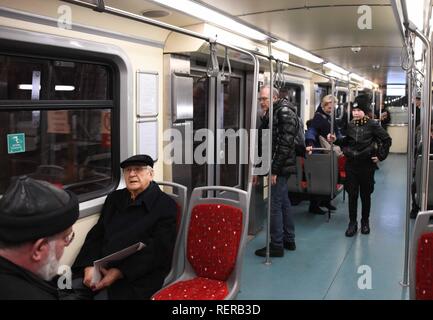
{"points": [[275, 92], [328, 99]]}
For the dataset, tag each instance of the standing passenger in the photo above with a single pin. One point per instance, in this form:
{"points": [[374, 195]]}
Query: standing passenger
{"points": [[36, 221], [139, 213], [365, 144], [283, 161]]}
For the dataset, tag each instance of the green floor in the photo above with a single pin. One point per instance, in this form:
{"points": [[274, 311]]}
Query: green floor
{"points": [[326, 264]]}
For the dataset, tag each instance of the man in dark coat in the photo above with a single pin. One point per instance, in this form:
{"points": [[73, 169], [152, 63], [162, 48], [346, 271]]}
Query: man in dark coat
{"points": [[139, 213], [365, 144], [36, 221], [284, 131]]}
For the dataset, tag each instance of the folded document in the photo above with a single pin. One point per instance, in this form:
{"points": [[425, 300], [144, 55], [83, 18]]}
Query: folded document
{"points": [[119, 255]]}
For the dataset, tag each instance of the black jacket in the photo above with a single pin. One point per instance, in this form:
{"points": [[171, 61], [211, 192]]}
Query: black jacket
{"points": [[151, 219], [17, 283], [283, 138], [365, 140]]}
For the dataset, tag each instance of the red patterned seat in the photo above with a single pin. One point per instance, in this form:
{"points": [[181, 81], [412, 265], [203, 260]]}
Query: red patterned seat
{"points": [[195, 289], [214, 237], [424, 268]]}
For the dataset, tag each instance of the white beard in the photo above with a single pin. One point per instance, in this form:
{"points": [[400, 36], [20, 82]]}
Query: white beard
{"points": [[49, 270]]}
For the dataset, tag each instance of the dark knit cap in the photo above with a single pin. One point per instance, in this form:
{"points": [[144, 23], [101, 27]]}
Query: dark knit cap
{"points": [[362, 102], [137, 160], [33, 209]]}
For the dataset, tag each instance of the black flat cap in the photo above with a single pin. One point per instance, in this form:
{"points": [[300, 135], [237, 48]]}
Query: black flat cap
{"points": [[33, 209], [362, 102], [137, 160]]}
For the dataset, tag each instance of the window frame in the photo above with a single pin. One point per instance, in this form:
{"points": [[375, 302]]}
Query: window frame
{"points": [[45, 105]]}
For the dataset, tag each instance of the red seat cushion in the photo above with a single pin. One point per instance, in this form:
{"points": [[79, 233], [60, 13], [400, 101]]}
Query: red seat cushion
{"points": [[214, 235], [424, 268], [195, 289]]}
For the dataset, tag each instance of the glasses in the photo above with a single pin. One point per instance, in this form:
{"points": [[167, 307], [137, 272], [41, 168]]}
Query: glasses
{"points": [[69, 238], [128, 170], [263, 98]]}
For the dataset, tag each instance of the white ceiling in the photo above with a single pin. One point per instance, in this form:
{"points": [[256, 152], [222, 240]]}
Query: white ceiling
{"points": [[326, 28]]}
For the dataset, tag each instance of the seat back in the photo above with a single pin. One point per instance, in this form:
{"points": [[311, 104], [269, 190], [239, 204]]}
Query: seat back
{"points": [[179, 195], [318, 174], [421, 258], [217, 230]]}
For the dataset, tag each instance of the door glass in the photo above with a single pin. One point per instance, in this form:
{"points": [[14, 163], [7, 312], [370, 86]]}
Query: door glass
{"points": [[231, 120], [200, 118]]}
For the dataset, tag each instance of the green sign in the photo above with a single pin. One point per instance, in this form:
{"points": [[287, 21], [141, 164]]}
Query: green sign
{"points": [[16, 143]]}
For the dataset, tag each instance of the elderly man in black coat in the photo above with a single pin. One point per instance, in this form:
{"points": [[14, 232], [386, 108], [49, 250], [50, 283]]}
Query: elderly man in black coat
{"points": [[139, 213], [36, 221], [284, 130]]}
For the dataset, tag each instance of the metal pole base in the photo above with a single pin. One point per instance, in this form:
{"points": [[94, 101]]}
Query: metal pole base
{"points": [[268, 262], [404, 284]]}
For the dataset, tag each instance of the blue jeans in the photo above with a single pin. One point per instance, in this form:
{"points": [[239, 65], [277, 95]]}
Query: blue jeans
{"points": [[282, 224]]}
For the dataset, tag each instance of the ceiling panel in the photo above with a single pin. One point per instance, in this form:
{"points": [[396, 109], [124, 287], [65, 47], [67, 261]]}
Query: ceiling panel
{"points": [[328, 29]]}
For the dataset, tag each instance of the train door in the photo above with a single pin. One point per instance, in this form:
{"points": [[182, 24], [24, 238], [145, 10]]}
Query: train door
{"points": [[218, 109]]}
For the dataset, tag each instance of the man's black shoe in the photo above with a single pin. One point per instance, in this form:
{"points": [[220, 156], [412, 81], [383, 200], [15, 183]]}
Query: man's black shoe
{"points": [[365, 228], [329, 206], [352, 229], [316, 210], [274, 251], [290, 245]]}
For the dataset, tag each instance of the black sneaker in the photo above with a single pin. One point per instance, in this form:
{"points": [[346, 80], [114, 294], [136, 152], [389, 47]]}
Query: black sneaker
{"points": [[316, 210], [274, 251], [290, 245], [351, 229], [365, 228]]}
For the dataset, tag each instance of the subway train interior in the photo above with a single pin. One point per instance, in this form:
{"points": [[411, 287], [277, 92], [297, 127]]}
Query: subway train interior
{"points": [[85, 84]]}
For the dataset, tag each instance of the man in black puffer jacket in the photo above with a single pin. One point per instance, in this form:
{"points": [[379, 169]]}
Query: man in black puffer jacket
{"points": [[365, 144], [284, 130]]}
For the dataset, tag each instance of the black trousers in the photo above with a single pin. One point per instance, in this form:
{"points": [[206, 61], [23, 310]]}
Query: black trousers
{"points": [[359, 181]]}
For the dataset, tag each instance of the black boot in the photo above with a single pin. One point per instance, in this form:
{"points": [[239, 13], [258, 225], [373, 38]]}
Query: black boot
{"points": [[365, 227], [329, 206], [274, 251], [316, 210], [352, 229]]}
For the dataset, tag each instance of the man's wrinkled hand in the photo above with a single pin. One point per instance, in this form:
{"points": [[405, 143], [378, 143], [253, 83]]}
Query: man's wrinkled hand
{"points": [[110, 276], [309, 150]]}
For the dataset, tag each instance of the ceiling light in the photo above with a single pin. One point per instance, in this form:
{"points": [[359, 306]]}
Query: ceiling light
{"points": [[355, 49], [64, 88], [415, 10], [356, 77], [212, 16], [290, 48], [336, 68]]}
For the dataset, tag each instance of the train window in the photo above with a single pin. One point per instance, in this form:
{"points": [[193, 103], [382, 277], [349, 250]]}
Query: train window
{"points": [[60, 130], [23, 78]]}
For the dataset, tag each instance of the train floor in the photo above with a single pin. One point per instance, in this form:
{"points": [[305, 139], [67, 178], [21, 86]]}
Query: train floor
{"points": [[328, 265]]}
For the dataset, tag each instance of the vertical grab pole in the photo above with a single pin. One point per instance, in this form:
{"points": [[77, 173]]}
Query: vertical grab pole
{"points": [[349, 100], [332, 145], [426, 127], [271, 118], [405, 281]]}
